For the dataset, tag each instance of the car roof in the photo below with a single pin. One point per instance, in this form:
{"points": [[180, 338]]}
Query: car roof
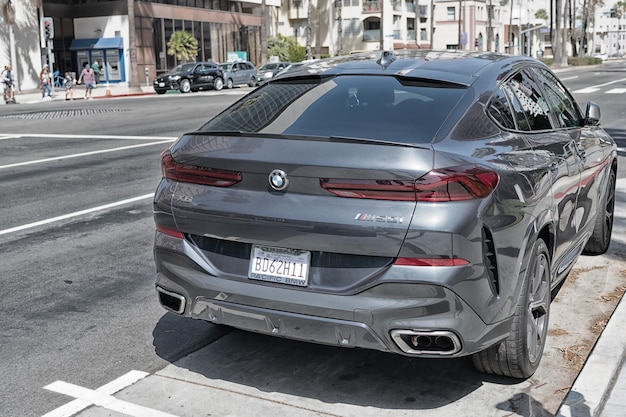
{"points": [[460, 67]]}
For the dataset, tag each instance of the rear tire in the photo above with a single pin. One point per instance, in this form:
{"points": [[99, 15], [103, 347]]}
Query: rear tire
{"points": [[229, 83], [252, 82], [519, 355], [600, 239]]}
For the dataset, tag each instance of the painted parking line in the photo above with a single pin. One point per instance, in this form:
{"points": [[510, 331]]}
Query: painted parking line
{"points": [[75, 214], [617, 91], [102, 397], [79, 155]]}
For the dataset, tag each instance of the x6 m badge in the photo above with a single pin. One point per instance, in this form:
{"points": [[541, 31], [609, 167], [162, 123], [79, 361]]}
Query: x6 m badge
{"points": [[278, 180], [366, 217]]}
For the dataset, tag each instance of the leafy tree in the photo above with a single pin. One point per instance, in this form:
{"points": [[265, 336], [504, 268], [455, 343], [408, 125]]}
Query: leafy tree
{"points": [[542, 14], [183, 45], [285, 48]]}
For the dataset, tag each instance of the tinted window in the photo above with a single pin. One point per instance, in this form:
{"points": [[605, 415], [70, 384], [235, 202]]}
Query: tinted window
{"points": [[561, 103], [518, 111], [500, 110], [372, 107], [528, 109]]}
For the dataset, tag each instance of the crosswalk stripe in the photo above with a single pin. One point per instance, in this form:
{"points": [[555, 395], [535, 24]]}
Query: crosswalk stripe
{"points": [[586, 90]]}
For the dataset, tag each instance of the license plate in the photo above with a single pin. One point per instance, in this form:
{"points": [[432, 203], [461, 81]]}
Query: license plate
{"points": [[161, 84], [280, 265]]}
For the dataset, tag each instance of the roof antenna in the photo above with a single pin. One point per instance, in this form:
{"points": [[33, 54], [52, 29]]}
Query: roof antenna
{"points": [[386, 58]]}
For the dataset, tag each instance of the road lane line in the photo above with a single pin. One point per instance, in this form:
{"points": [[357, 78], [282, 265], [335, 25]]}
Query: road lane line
{"points": [[110, 388], [79, 155], [63, 136], [75, 214], [594, 88], [106, 401]]}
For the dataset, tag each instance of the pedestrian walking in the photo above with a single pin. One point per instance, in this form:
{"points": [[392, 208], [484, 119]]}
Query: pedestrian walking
{"points": [[45, 80], [87, 77], [96, 71], [7, 80], [69, 85]]}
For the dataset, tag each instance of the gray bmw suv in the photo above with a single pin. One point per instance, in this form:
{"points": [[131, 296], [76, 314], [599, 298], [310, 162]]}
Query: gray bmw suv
{"points": [[418, 202]]}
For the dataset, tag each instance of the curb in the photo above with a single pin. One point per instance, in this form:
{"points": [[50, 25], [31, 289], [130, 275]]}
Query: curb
{"points": [[600, 382], [595, 382]]}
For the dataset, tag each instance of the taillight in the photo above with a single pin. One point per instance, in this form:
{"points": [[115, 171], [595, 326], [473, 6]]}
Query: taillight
{"points": [[170, 232], [431, 261], [465, 182], [374, 189], [196, 174], [448, 184]]}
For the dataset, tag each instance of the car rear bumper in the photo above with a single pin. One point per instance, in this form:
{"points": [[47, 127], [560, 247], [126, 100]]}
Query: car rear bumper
{"points": [[385, 317]]}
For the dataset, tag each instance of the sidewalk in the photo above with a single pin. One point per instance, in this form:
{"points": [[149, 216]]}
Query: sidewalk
{"points": [[600, 388], [102, 91]]}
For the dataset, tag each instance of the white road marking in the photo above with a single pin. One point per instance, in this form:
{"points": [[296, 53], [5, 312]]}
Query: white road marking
{"points": [[103, 397], [587, 90], [63, 136], [597, 87], [75, 214], [569, 78], [78, 155], [617, 91], [111, 388]]}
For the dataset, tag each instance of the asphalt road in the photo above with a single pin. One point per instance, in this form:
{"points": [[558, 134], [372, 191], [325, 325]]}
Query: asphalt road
{"points": [[78, 301]]}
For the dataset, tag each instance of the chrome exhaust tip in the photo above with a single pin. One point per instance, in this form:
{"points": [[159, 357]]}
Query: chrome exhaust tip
{"points": [[171, 301], [436, 342]]}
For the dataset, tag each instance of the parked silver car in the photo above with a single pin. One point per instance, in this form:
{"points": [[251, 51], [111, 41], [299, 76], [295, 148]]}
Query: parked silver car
{"points": [[419, 202], [239, 73], [268, 71]]}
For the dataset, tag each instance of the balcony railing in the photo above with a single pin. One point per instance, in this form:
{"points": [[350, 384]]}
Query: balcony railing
{"points": [[371, 35], [371, 6]]}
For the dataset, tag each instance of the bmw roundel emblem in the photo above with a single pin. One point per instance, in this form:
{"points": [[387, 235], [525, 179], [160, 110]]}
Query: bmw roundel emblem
{"points": [[278, 180]]}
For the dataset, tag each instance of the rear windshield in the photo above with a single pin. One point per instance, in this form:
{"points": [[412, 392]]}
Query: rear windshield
{"points": [[369, 107]]}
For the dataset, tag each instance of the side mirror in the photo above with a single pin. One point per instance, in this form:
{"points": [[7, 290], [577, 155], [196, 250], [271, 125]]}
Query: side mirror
{"points": [[592, 115]]}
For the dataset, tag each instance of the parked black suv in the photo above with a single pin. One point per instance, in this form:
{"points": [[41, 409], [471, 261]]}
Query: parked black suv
{"points": [[192, 76]]}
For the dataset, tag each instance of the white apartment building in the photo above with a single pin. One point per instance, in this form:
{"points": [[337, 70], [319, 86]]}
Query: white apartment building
{"points": [[609, 33], [342, 26]]}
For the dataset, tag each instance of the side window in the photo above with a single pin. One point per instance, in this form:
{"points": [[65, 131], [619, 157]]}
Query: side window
{"points": [[532, 101], [561, 103], [500, 110]]}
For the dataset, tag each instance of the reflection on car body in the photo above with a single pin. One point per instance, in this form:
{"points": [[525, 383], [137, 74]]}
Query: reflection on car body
{"points": [[418, 202]]}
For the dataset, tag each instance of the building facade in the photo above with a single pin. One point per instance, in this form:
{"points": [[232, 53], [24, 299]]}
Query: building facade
{"points": [[88, 31]]}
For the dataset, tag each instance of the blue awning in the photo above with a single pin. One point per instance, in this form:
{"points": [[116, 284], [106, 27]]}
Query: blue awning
{"points": [[97, 43]]}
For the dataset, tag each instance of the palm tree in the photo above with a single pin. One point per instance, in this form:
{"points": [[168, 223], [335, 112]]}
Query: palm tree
{"points": [[263, 32], [8, 12], [542, 14], [183, 45], [133, 75]]}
